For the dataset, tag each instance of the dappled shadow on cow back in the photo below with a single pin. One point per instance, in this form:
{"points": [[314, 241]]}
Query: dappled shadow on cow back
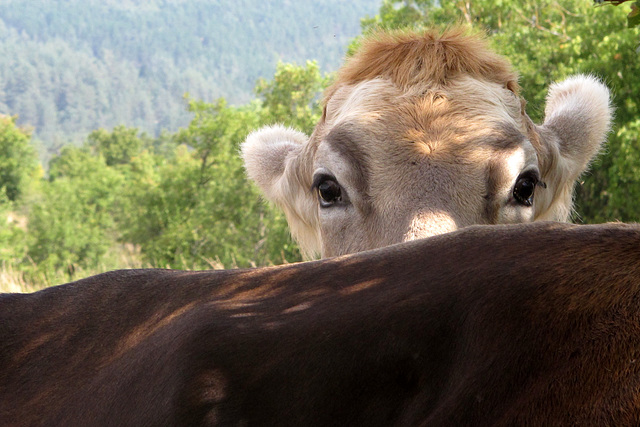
{"points": [[522, 324]]}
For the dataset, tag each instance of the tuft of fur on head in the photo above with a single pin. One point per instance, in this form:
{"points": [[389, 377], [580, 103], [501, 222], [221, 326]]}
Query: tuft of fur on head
{"points": [[411, 59]]}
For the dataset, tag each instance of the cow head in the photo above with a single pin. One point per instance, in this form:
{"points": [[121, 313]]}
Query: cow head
{"points": [[422, 134]]}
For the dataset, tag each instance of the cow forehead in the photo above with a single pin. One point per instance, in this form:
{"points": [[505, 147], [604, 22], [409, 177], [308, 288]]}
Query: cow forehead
{"points": [[467, 110], [468, 119]]}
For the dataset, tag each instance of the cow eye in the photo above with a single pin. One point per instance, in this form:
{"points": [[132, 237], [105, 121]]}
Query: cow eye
{"points": [[525, 188], [328, 189], [329, 192]]}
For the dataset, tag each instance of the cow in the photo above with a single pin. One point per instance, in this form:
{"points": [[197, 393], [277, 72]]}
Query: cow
{"points": [[423, 133], [525, 324]]}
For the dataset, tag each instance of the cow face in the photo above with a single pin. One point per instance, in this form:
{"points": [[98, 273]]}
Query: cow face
{"points": [[423, 134]]}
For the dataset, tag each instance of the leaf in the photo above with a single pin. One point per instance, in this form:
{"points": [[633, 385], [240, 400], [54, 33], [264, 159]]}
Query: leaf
{"points": [[633, 18]]}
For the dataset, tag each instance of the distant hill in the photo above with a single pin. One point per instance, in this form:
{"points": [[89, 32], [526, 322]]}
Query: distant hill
{"points": [[70, 66]]}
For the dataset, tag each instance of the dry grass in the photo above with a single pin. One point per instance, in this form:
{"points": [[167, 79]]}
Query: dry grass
{"points": [[12, 280], [16, 279]]}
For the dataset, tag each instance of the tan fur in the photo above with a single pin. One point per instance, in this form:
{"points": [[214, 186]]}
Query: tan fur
{"points": [[412, 60], [425, 133]]}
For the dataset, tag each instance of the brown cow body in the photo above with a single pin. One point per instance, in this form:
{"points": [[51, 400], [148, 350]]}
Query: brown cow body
{"points": [[516, 325]]}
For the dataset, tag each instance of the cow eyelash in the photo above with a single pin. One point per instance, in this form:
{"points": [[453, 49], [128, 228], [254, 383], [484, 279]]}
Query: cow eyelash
{"points": [[320, 178]]}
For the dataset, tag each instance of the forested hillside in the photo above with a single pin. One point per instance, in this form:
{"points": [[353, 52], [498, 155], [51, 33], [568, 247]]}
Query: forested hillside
{"points": [[70, 66]]}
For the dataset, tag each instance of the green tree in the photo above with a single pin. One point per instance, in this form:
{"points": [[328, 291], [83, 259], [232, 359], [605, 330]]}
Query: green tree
{"points": [[18, 169], [633, 18], [292, 97], [17, 158], [199, 209], [12, 233], [119, 146], [70, 66], [72, 162], [71, 223]]}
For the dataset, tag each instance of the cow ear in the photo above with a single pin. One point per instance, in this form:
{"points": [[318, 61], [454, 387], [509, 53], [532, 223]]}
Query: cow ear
{"points": [[579, 112], [273, 159], [266, 153], [577, 119]]}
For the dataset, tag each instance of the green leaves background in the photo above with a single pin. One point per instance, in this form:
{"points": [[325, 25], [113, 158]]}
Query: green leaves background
{"points": [[124, 198]]}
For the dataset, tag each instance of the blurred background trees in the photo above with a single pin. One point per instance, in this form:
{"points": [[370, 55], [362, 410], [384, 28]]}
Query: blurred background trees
{"points": [[68, 67], [180, 200], [129, 197]]}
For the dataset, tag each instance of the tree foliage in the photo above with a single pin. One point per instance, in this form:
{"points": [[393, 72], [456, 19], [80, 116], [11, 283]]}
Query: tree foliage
{"points": [[199, 209], [17, 158], [71, 222], [633, 18], [181, 200], [68, 67], [291, 98]]}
